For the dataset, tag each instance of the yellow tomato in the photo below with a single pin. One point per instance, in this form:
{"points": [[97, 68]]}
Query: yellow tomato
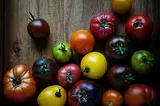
{"points": [[94, 65], [122, 6], [54, 95]]}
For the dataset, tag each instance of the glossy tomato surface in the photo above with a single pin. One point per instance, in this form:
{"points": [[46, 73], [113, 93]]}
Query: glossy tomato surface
{"points": [[82, 42], [68, 75], [45, 69], [103, 25], [112, 98], [139, 27], [18, 84], [120, 76], [140, 95], [84, 93]]}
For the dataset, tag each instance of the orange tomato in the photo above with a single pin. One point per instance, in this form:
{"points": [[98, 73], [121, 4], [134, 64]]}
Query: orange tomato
{"points": [[112, 98], [82, 42]]}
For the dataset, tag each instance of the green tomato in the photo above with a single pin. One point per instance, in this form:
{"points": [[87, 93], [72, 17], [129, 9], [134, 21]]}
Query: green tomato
{"points": [[62, 52], [142, 62]]}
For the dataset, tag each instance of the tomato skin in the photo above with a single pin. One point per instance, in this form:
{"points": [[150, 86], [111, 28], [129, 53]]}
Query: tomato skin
{"points": [[93, 65], [139, 27], [54, 95], [89, 91], [62, 52], [82, 42], [112, 98], [44, 69], [68, 75], [103, 25], [139, 95], [142, 62], [118, 48], [122, 6], [120, 76], [18, 84]]}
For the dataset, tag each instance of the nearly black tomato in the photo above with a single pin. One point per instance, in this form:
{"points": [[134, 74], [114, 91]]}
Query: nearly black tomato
{"points": [[84, 93]]}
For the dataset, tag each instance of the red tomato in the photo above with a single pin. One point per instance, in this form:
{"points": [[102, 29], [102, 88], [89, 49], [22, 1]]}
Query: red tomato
{"points": [[139, 27], [84, 93], [112, 98], [68, 75], [19, 84], [103, 25], [139, 95], [82, 42]]}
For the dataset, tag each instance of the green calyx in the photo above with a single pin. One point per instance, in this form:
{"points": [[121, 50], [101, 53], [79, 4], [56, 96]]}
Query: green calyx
{"points": [[69, 77], [16, 81], [58, 93], [120, 49], [43, 68], [129, 78], [82, 97], [63, 47], [110, 102], [86, 69], [137, 24], [147, 61]]}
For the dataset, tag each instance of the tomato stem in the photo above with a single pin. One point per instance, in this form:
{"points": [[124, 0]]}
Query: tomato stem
{"points": [[69, 77], [86, 69], [129, 78], [110, 102], [43, 68], [82, 97], [58, 93], [63, 47], [120, 49], [137, 24], [32, 17], [16, 81]]}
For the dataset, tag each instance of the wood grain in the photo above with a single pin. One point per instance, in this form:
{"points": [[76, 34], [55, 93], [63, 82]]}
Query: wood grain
{"points": [[64, 18]]}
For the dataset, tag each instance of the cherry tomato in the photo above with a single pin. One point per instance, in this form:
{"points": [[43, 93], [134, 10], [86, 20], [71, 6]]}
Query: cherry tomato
{"points": [[54, 95], [18, 84], [112, 98], [68, 75], [93, 65], [139, 27], [118, 48], [103, 25], [38, 29], [120, 76], [140, 95], [82, 42], [44, 69], [122, 6], [84, 93]]}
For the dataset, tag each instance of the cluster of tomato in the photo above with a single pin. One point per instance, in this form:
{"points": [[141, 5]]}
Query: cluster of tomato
{"points": [[20, 83]]}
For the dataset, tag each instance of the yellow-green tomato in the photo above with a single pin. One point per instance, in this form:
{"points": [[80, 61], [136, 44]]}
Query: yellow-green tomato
{"points": [[93, 65], [54, 95], [121, 6]]}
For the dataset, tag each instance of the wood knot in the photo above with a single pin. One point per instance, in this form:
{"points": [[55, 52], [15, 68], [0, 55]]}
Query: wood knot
{"points": [[16, 48]]}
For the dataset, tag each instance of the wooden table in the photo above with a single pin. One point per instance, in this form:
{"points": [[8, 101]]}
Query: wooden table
{"points": [[64, 18]]}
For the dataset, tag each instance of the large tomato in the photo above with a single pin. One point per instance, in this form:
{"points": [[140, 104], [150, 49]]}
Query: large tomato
{"points": [[122, 6], [140, 95], [84, 93], [93, 65], [45, 69], [18, 84], [118, 48], [68, 74], [82, 42], [103, 25], [112, 98], [120, 76], [54, 95], [139, 27], [142, 62]]}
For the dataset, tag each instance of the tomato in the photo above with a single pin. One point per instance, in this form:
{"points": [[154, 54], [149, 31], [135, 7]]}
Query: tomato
{"points": [[120, 76], [140, 95], [118, 48], [62, 52], [54, 95], [112, 98], [68, 74], [142, 62], [139, 27], [82, 42], [103, 25], [122, 6], [18, 84], [93, 65], [38, 29], [84, 93], [44, 69]]}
